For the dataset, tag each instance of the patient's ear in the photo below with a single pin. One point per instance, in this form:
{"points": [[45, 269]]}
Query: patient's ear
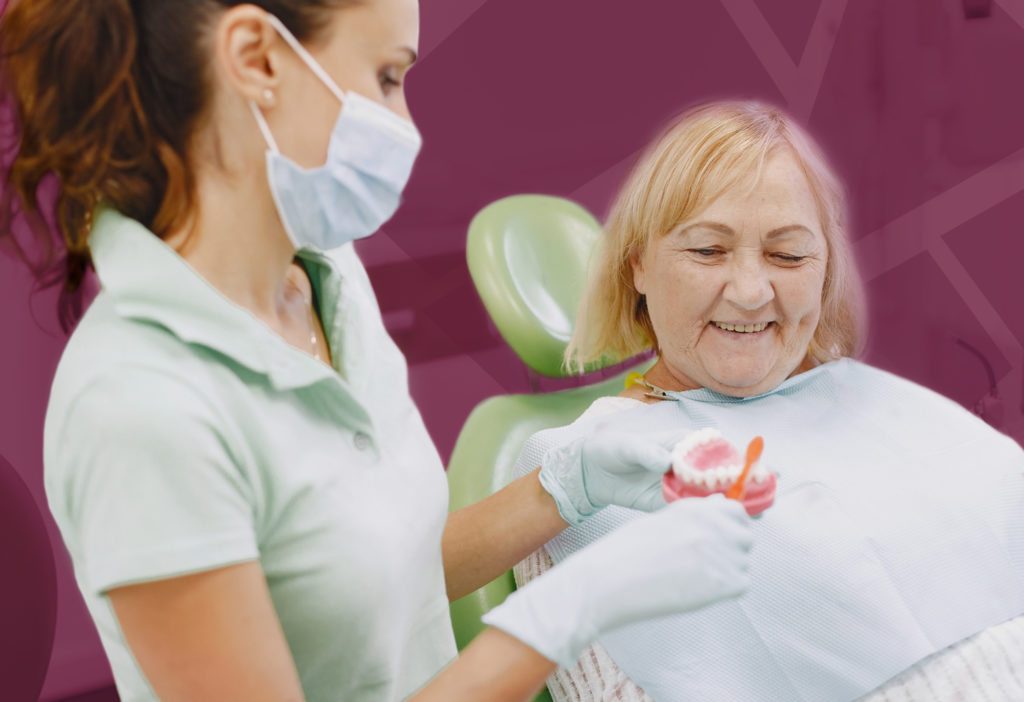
{"points": [[636, 261]]}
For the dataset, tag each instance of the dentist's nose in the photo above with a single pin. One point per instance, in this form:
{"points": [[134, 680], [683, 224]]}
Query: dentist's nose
{"points": [[749, 286]]}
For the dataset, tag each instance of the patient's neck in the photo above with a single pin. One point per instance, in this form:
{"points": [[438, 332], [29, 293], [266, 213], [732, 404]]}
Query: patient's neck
{"points": [[663, 377], [660, 376]]}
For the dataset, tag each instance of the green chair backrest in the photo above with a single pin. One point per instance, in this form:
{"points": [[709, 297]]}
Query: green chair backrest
{"points": [[528, 256], [482, 462]]}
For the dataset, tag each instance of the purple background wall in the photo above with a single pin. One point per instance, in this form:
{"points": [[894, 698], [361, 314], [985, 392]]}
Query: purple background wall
{"points": [[920, 108]]}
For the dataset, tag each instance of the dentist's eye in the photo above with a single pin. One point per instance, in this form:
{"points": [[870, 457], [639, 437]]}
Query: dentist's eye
{"points": [[388, 81]]}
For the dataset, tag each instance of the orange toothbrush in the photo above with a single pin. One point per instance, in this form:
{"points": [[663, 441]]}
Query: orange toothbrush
{"points": [[753, 453]]}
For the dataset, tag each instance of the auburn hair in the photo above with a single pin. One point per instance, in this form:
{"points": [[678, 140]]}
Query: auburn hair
{"points": [[102, 97]]}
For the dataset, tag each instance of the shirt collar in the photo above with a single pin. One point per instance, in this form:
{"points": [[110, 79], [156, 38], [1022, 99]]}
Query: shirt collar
{"points": [[147, 280]]}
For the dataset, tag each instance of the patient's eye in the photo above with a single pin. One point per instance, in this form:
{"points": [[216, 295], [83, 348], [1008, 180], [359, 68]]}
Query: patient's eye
{"points": [[706, 253], [787, 258]]}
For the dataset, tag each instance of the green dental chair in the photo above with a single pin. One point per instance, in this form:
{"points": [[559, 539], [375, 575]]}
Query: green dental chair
{"points": [[528, 257]]}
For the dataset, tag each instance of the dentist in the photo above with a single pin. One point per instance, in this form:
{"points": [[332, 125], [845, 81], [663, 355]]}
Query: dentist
{"points": [[252, 504]]}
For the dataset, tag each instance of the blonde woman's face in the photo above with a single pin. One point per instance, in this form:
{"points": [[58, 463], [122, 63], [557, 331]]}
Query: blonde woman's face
{"points": [[734, 293]]}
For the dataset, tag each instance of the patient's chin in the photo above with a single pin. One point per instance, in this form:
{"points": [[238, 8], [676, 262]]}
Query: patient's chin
{"points": [[742, 380]]}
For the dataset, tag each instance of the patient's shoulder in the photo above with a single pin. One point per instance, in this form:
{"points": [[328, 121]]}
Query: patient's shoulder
{"points": [[609, 405]]}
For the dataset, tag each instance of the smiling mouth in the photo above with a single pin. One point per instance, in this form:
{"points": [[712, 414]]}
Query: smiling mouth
{"points": [[743, 328]]}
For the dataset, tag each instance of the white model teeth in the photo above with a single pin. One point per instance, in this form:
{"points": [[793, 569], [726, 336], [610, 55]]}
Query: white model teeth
{"points": [[692, 441], [713, 477], [744, 328], [725, 476]]}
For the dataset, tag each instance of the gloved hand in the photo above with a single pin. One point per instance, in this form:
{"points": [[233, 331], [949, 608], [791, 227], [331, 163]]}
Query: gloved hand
{"points": [[690, 554], [607, 468]]}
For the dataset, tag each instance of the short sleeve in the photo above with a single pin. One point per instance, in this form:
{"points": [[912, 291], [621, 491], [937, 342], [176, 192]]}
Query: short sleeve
{"points": [[146, 484]]}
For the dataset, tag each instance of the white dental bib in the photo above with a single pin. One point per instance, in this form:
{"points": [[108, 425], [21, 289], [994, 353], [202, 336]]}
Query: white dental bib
{"points": [[897, 530]]}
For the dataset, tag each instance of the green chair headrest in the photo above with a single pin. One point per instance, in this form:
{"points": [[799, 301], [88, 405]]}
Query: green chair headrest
{"points": [[528, 257]]}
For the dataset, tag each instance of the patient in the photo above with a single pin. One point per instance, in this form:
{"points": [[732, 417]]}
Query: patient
{"points": [[891, 566]]}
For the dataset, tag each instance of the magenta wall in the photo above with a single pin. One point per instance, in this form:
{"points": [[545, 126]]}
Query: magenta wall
{"points": [[920, 108]]}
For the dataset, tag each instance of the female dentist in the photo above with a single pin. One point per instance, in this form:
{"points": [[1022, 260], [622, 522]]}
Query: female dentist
{"points": [[253, 507]]}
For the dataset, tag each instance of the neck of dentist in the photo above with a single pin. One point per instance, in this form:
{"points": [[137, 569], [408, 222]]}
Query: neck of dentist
{"points": [[236, 239]]}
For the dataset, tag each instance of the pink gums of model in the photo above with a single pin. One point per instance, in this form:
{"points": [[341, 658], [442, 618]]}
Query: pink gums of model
{"points": [[704, 463]]}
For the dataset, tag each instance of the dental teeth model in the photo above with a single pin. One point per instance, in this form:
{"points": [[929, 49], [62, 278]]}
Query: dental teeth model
{"points": [[705, 463]]}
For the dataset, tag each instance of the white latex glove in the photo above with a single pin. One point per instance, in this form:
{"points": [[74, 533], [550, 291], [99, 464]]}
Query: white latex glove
{"points": [[607, 468], [690, 554]]}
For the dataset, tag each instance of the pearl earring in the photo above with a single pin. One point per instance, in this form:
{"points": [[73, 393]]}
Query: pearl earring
{"points": [[268, 95]]}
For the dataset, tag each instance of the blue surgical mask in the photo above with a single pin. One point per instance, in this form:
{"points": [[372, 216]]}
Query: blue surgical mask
{"points": [[369, 160]]}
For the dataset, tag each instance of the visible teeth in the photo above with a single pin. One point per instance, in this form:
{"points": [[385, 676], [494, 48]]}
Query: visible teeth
{"points": [[705, 435], [744, 328], [686, 474], [692, 441]]}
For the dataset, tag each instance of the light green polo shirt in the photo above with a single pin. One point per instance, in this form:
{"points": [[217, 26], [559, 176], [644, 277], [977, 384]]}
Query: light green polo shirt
{"points": [[182, 434]]}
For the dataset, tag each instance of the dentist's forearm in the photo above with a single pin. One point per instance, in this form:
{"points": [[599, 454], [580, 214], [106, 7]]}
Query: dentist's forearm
{"points": [[485, 539], [496, 667]]}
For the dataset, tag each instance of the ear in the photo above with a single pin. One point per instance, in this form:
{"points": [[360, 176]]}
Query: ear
{"points": [[248, 53], [639, 279]]}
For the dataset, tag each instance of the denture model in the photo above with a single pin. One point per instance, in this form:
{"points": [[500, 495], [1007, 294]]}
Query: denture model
{"points": [[704, 463]]}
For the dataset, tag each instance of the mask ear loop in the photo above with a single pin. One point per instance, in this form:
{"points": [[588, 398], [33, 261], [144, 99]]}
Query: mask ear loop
{"points": [[264, 127], [306, 57]]}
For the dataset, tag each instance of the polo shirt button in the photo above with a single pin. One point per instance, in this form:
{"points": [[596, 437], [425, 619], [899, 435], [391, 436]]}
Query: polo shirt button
{"points": [[362, 441]]}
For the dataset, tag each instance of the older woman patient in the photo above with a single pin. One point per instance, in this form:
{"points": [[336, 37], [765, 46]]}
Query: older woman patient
{"points": [[892, 563]]}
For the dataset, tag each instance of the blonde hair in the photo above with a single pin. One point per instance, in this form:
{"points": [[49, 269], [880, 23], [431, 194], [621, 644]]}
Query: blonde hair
{"points": [[705, 151]]}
